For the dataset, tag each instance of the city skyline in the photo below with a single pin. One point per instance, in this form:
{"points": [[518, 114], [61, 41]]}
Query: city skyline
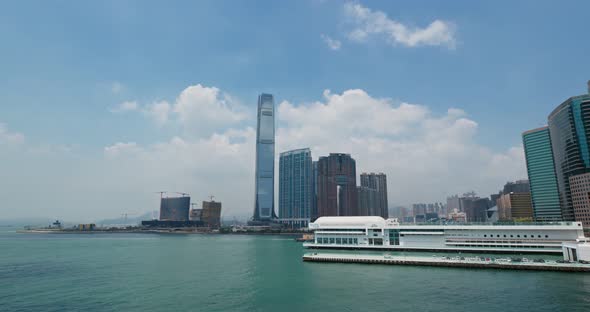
{"points": [[84, 124]]}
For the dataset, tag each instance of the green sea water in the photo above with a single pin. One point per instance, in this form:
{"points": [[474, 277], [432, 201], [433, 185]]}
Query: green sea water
{"points": [[148, 272]]}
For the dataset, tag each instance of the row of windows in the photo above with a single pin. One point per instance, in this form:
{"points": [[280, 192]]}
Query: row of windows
{"points": [[337, 240], [518, 236], [499, 246]]}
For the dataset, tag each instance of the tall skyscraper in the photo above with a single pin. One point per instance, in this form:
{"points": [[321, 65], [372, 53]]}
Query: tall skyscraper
{"points": [[337, 192], [295, 187], [541, 170], [265, 160], [377, 182], [314, 183], [569, 126]]}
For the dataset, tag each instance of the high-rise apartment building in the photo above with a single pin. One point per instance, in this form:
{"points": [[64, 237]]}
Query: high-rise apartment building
{"points": [[175, 208], [569, 127], [541, 171], [295, 187], [314, 183], [378, 182], [336, 185], [368, 199], [265, 160]]}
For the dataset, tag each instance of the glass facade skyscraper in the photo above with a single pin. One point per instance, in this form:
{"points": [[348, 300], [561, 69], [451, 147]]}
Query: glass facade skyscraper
{"points": [[541, 171], [265, 160], [295, 187], [569, 126]]}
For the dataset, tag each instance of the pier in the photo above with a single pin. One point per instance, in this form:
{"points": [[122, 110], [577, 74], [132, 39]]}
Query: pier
{"points": [[456, 262]]}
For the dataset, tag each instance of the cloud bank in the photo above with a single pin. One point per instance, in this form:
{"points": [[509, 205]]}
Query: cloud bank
{"points": [[426, 155]]}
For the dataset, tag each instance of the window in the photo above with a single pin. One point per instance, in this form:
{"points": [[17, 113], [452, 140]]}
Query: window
{"points": [[546, 236], [525, 236], [338, 240], [504, 235], [518, 235], [511, 236], [485, 235]]}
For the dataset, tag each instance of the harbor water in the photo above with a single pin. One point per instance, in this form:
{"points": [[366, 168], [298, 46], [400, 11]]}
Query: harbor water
{"points": [[151, 272]]}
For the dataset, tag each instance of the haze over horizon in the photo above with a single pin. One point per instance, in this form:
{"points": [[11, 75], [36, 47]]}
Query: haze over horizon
{"points": [[104, 104]]}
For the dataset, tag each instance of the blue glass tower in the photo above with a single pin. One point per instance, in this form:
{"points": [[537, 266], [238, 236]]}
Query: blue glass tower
{"points": [[541, 171], [265, 160], [295, 187], [569, 125]]}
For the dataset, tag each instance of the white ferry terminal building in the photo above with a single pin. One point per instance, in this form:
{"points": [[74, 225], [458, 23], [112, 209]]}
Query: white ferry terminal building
{"points": [[380, 234]]}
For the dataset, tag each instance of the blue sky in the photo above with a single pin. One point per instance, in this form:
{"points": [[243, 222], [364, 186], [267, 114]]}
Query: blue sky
{"points": [[66, 65]]}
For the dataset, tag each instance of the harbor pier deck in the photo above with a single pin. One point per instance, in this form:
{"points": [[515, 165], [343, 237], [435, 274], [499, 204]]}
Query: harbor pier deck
{"points": [[457, 262]]}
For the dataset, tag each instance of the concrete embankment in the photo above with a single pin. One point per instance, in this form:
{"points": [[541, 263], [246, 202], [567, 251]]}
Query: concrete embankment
{"points": [[475, 262]]}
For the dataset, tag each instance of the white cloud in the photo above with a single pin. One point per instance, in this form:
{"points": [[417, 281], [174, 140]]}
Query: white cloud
{"points": [[333, 44], [369, 22], [158, 111], [10, 137], [121, 148], [127, 106], [425, 155], [202, 109], [199, 110], [117, 87]]}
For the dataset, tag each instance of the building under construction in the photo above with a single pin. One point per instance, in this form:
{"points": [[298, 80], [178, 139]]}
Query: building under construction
{"points": [[176, 212]]}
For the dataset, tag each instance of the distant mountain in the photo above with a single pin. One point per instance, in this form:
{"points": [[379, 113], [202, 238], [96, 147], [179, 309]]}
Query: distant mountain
{"points": [[131, 220]]}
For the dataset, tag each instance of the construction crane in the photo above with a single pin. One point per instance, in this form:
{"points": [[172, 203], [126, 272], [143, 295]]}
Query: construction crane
{"points": [[161, 193], [211, 198], [183, 194]]}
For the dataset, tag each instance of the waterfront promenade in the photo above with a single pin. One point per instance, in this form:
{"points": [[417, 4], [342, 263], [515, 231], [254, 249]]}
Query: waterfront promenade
{"points": [[441, 261]]}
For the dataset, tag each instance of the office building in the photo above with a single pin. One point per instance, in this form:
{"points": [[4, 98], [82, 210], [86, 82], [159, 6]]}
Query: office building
{"points": [[569, 127], [378, 182], [541, 172], [336, 183], [265, 160], [211, 214], [520, 186], [295, 187], [580, 189], [515, 207], [174, 208]]}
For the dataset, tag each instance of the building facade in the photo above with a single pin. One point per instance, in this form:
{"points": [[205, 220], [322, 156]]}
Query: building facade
{"points": [[336, 183], [541, 171], [265, 160], [368, 199], [175, 208], [378, 234], [569, 127], [378, 182], [580, 189], [515, 206], [314, 183], [295, 187], [211, 214]]}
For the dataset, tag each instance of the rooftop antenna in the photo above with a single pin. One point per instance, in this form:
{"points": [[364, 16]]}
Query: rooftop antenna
{"points": [[211, 198]]}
